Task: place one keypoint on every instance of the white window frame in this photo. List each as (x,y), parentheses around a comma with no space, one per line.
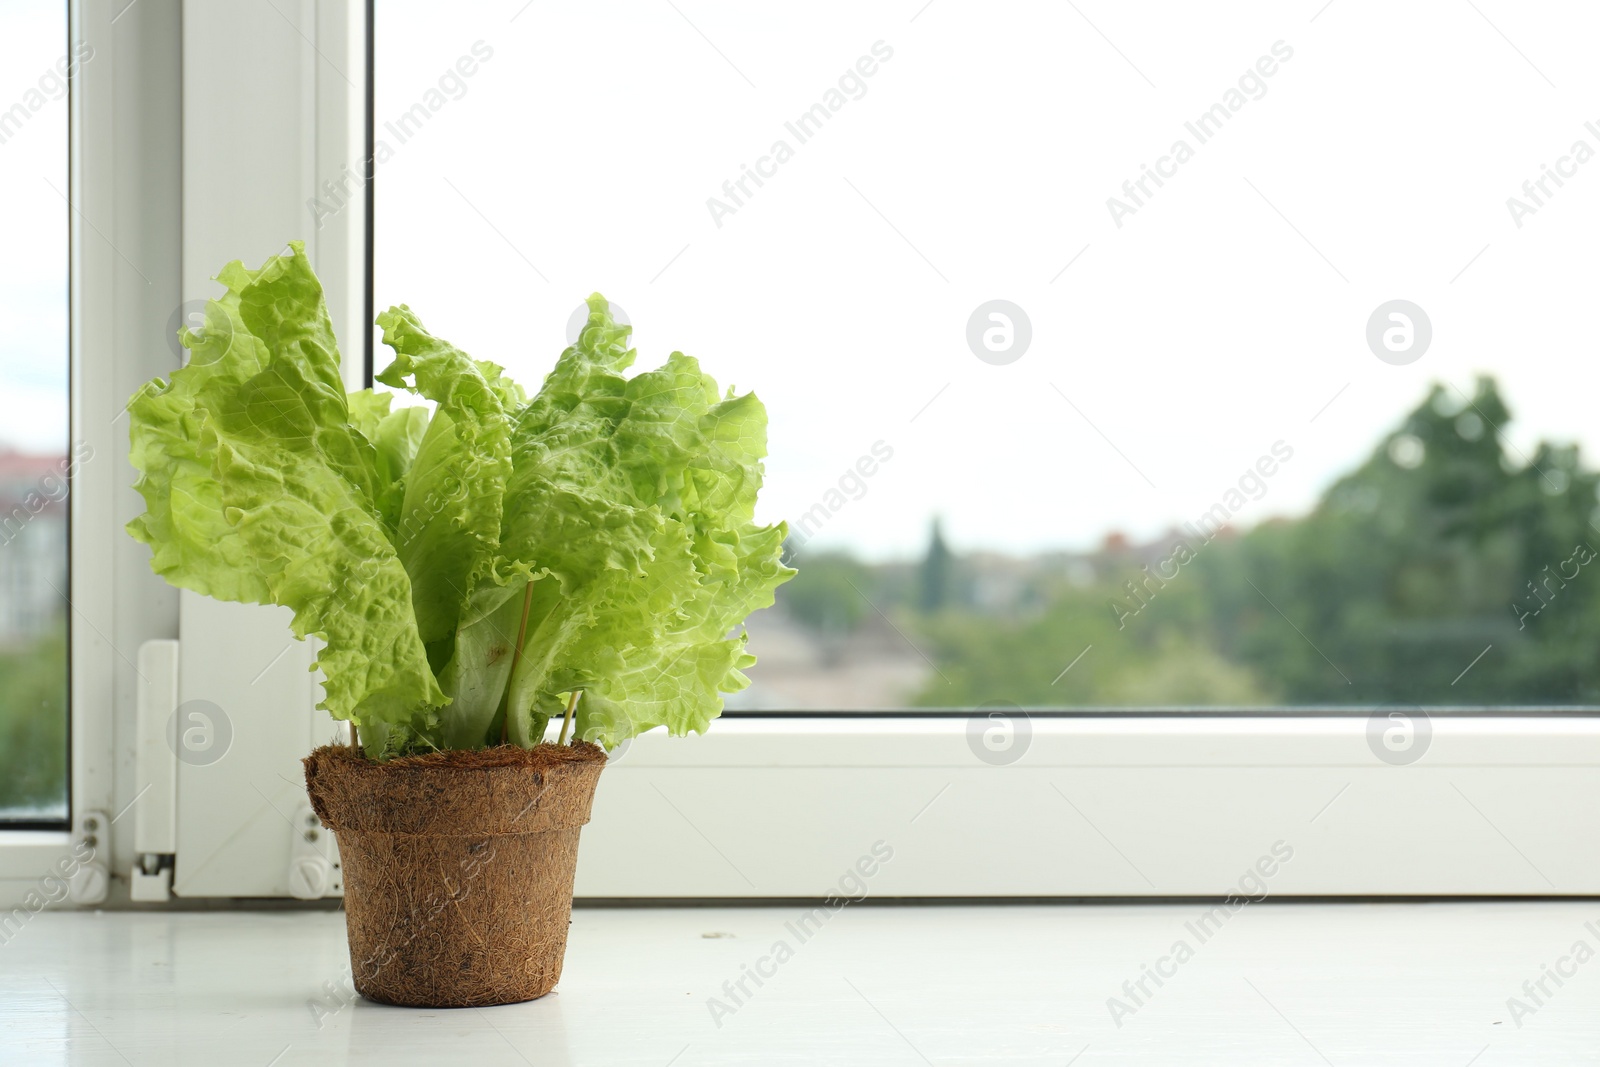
(167,184)
(1100,805)
(1108,805)
(123,237)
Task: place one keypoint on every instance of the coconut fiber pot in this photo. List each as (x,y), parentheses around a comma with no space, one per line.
(458,867)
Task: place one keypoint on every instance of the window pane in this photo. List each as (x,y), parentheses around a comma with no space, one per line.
(1193,361)
(34,426)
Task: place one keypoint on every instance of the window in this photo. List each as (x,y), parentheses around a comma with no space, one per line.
(1160,353)
(1207,363)
(35,458)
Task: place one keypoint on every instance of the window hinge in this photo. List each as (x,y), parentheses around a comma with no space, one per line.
(312,875)
(91,842)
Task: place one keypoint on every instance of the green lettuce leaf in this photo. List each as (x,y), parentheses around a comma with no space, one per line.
(473,568)
(259,489)
(395,438)
(637,496)
(449,524)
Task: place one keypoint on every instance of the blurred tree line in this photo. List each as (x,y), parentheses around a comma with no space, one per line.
(33,726)
(1446,569)
(1443,544)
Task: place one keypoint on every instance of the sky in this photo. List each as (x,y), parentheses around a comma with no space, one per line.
(1172,344)
(971,154)
(33,275)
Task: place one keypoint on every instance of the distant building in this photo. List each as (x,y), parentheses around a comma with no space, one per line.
(33,545)
(800,669)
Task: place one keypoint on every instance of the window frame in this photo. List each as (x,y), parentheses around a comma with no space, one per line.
(114,223)
(148,168)
(717,814)
(1100,805)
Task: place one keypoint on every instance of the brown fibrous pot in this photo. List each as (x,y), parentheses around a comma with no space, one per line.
(458,867)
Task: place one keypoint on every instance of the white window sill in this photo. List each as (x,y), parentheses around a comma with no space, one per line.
(1277,983)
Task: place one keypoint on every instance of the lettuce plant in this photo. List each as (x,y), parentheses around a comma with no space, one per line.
(471,571)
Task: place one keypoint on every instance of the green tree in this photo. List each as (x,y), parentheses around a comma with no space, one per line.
(935,577)
(1411,566)
(33,725)
(830,592)
(1082,652)
(1444,550)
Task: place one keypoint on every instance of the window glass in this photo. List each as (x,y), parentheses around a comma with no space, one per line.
(1215,359)
(34,430)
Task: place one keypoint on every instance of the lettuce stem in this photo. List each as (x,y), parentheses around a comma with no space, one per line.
(516,657)
(572,703)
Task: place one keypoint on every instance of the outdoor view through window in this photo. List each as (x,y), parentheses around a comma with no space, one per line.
(1235,358)
(33,411)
